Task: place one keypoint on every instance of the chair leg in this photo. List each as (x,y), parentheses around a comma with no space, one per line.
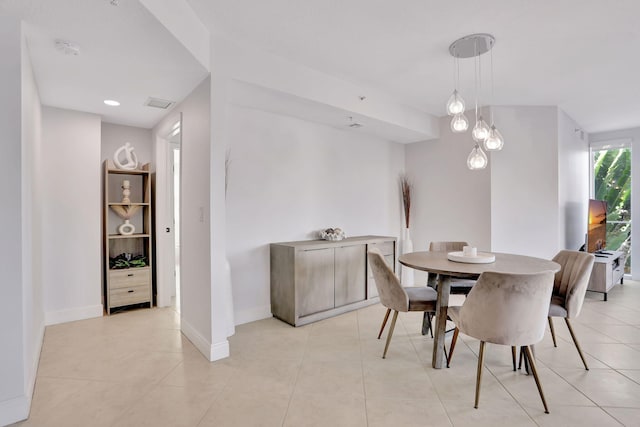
(426,323)
(513,356)
(575,341)
(393,325)
(384,322)
(456,331)
(532,364)
(553,332)
(479,375)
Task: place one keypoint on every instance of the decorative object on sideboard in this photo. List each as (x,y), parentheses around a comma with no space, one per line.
(406,273)
(332,234)
(126,228)
(131,160)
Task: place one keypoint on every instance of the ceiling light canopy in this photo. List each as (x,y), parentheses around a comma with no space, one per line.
(472,46)
(111,103)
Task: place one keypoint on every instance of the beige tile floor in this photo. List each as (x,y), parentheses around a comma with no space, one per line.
(136,369)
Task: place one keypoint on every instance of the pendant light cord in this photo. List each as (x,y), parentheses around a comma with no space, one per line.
(475,76)
(493,97)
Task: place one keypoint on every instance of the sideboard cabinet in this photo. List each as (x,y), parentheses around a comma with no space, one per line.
(316,279)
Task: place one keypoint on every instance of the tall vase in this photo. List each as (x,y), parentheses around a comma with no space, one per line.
(406,273)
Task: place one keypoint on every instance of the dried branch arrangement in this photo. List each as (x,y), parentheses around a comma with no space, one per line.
(405,187)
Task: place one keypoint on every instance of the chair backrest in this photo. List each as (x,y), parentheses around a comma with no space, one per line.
(447,246)
(572,280)
(392,295)
(507,308)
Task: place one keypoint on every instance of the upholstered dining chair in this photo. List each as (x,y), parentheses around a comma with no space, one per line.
(458,286)
(394,297)
(569,289)
(507,309)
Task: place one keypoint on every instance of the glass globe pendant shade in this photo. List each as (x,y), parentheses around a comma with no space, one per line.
(455,104)
(480,130)
(477,159)
(459,123)
(494,141)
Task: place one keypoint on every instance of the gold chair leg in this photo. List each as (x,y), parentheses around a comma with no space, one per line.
(479,375)
(575,341)
(532,364)
(513,356)
(393,325)
(384,322)
(456,331)
(553,332)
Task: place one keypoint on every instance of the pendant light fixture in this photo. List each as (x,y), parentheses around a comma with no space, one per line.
(473,46)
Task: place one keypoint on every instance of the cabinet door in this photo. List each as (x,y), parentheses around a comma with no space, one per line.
(314,280)
(350,265)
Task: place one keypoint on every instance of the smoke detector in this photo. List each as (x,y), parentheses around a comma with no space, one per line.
(67,47)
(158,103)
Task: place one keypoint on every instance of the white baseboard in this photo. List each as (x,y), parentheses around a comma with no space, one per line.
(210,351)
(252,314)
(72,314)
(14,410)
(31,382)
(219,350)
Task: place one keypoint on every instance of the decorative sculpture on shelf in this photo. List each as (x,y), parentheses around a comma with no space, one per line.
(126,192)
(125,212)
(131,160)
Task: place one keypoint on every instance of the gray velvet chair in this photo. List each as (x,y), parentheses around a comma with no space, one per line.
(569,288)
(507,309)
(395,297)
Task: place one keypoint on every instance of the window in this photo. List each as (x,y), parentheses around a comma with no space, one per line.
(611,173)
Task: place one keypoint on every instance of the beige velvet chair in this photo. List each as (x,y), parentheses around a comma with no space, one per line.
(569,288)
(507,309)
(395,297)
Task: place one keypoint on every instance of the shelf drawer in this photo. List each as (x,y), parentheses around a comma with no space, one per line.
(130,277)
(129,295)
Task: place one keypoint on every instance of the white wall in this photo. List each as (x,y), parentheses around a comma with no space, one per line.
(634,135)
(12,357)
(573,182)
(32,289)
(290,178)
(525,213)
(195,267)
(71,234)
(114,136)
(450,201)
(21,313)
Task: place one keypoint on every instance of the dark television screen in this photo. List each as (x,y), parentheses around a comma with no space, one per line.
(597,231)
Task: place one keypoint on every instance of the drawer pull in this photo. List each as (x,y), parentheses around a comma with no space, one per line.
(130,291)
(130,275)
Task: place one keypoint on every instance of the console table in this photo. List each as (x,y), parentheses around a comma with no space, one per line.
(608,270)
(316,279)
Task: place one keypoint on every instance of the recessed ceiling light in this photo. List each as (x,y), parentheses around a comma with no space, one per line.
(111,102)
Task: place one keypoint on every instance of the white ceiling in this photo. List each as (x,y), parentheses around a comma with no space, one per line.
(578,54)
(581,55)
(126,55)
